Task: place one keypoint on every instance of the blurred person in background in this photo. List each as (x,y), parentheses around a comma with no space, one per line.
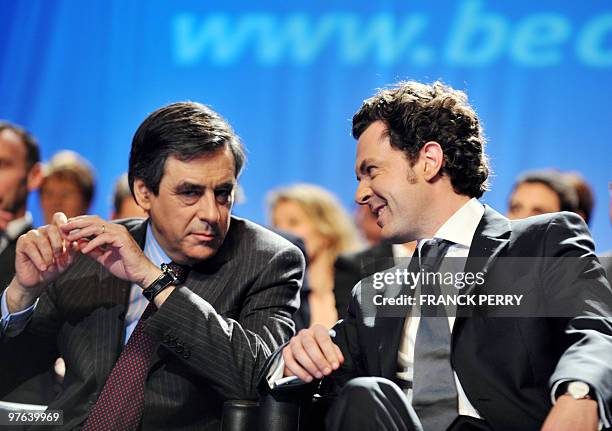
(541,192)
(20,174)
(586,197)
(68,185)
(316,216)
(124,204)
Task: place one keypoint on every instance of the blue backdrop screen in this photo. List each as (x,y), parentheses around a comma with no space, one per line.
(289,76)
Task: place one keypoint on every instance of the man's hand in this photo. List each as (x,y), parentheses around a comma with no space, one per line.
(112,246)
(41,255)
(311,354)
(569,414)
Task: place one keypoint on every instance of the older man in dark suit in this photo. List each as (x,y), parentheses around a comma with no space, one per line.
(421,166)
(159,321)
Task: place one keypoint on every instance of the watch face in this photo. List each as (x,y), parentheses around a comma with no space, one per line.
(578,389)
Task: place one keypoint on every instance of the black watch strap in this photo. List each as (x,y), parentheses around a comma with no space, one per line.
(167,279)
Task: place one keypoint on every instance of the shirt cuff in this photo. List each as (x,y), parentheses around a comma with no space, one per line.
(276,372)
(14,323)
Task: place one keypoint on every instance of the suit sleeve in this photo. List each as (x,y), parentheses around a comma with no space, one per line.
(230,354)
(28,350)
(346,277)
(588,335)
(347,339)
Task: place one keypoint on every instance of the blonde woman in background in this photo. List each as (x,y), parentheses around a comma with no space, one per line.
(316,216)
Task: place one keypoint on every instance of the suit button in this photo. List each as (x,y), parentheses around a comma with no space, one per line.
(180,349)
(166,339)
(187,354)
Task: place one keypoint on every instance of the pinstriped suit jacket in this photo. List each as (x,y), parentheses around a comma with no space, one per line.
(214,333)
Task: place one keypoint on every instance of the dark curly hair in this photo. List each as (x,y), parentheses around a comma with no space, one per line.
(417,113)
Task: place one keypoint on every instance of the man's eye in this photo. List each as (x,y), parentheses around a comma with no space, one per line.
(371,171)
(223,196)
(189,193)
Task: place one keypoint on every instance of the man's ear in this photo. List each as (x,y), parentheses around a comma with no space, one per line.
(433,158)
(35,177)
(142,194)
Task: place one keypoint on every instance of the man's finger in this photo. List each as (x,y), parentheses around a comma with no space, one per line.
(32,252)
(88,232)
(82,222)
(99,241)
(56,240)
(42,242)
(59,219)
(327,346)
(292,367)
(303,358)
(339,353)
(313,350)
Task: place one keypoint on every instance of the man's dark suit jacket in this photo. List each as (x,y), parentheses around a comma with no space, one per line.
(350,268)
(40,389)
(301,318)
(506,365)
(606,261)
(214,333)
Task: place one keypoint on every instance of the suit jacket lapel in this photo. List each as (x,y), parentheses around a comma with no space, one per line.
(389,333)
(491,237)
(390,336)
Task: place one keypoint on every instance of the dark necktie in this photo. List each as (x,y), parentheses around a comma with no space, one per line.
(434,391)
(121,402)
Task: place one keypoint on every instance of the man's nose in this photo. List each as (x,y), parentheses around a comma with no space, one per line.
(208,209)
(363,193)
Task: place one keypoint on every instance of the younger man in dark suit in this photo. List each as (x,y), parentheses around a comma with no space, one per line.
(421,166)
(159,320)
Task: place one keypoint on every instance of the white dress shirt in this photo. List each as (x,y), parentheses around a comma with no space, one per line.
(459,229)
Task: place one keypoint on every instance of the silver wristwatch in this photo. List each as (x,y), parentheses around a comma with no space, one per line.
(578,390)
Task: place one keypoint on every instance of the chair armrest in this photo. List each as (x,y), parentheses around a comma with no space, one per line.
(239,415)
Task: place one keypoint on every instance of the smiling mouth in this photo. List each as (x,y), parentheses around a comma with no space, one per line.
(378,212)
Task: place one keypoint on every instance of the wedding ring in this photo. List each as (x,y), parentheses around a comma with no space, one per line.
(103,228)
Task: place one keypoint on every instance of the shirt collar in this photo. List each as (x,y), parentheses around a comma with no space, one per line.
(17,226)
(461,226)
(153,250)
